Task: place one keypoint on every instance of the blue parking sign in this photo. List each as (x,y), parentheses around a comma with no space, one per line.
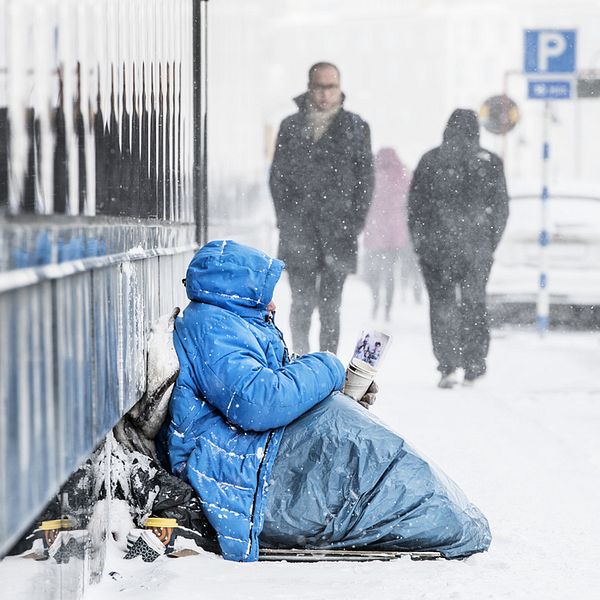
(550,50)
(552,89)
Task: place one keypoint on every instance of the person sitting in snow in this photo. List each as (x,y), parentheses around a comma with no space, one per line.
(278,455)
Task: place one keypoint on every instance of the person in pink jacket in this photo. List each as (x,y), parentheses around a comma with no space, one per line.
(386,239)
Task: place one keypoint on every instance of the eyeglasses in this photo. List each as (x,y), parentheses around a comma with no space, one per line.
(324,88)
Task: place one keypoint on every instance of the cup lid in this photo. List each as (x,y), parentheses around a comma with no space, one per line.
(159,522)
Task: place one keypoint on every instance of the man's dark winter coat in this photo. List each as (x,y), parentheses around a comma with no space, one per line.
(321,190)
(457,211)
(458,204)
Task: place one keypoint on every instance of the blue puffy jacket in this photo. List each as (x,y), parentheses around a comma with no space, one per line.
(236,390)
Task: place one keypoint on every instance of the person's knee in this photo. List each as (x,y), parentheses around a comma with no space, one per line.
(302,305)
(303,299)
(474,309)
(329,307)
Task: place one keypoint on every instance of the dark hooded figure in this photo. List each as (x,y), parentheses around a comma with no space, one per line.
(457,211)
(321,182)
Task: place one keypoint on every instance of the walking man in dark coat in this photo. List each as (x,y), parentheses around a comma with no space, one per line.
(321,182)
(457,211)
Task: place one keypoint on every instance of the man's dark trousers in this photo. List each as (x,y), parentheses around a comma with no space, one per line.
(316,288)
(458,314)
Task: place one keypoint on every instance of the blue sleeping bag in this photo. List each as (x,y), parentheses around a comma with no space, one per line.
(343,479)
(277,455)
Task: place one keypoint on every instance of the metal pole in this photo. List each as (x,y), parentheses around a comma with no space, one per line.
(199,181)
(577,149)
(505,80)
(504,93)
(205,132)
(543,302)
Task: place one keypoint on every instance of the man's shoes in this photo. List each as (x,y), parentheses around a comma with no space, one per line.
(469,381)
(471,377)
(448,380)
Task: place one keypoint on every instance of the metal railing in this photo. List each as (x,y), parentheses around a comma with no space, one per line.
(72,362)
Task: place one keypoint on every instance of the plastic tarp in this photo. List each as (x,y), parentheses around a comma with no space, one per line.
(343,479)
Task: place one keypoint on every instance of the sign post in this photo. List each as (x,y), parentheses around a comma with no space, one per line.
(549,60)
(543,302)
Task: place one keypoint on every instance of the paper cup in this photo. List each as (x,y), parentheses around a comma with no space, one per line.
(359,376)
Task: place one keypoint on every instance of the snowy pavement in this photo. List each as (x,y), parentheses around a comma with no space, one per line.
(523,444)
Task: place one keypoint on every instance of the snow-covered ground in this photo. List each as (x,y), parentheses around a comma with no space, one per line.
(523,443)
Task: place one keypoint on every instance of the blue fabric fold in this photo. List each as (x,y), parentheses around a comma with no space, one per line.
(343,479)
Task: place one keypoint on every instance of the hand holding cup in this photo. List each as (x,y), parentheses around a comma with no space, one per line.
(370,396)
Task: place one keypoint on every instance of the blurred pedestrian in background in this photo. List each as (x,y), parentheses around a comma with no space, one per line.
(321,183)
(457,211)
(386,240)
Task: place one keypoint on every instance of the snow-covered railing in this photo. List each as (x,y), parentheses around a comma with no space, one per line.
(72,362)
(102,200)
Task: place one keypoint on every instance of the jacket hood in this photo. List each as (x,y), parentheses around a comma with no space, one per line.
(463,125)
(233,276)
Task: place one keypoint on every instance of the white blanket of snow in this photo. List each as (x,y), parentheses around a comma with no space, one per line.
(523,444)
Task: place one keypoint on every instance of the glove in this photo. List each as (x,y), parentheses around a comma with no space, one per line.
(370,395)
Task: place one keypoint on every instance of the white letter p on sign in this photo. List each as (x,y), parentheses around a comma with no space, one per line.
(551,45)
